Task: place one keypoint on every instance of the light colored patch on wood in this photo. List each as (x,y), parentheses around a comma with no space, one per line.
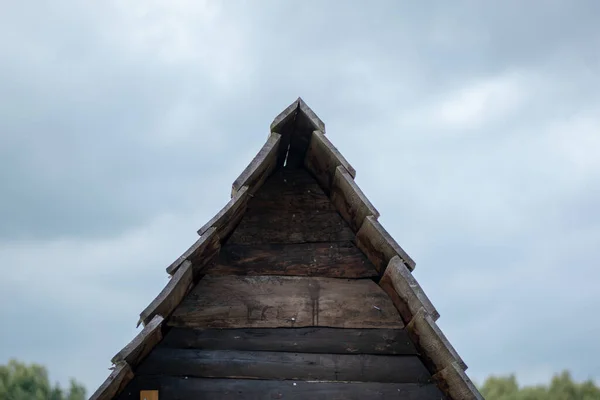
(379,246)
(453,381)
(432,342)
(171,295)
(260,167)
(114,384)
(229,216)
(284,117)
(278,301)
(312,117)
(349,200)
(200,252)
(148,394)
(404,290)
(142,344)
(322,158)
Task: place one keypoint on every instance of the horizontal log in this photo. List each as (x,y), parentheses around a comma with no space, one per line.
(349,200)
(322,159)
(328,259)
(453,381)
(431,342)
(260,167)
(404,290)
(142,344)
(284,366)
(305,340)
(379,246)
(285,301)
(120,376)
(184,388)
(229,216)
(171,295)
(200,253)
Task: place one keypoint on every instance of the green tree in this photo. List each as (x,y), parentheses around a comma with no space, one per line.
(19,381)
(561,387)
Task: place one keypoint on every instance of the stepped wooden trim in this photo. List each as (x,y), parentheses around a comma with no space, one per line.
(142,344)
(350,201)
(453,381)
(379,246)
(432,343)
(171,295)
(116,381)
(200,252)
(405,291)
(323,158)
(227,219)
(260,167)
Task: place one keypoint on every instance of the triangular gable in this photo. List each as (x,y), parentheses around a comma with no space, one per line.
(297,139)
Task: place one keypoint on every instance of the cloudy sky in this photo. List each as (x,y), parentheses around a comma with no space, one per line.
(474,128)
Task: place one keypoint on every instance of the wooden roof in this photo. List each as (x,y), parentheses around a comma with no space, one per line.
(298,246)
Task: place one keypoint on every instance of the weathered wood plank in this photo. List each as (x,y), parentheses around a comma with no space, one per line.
(330,260)
(453,381)
(142,344)
(305,123)
(171,295)
(322,159)
(285,301)
(315,121)
(431,342)
(184,388)
(120,376)
(379,246)
(260,167)
(200,253)
(349,200)
(282,365)
(284,117)
(229,216)
(305,340)
(404,290)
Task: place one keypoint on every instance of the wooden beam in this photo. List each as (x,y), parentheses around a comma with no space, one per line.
(171,295)
(120,376)
(284,117)
(437,351)
(142,344)
(379,246)
(322,159)
(315,121)
(303,340)
(404,290)
(260,167)
(453,381)
(226,220)
(285,301)
(279,365)
(349,200)
(200,252)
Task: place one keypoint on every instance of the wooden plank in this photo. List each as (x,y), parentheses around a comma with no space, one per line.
(404,290)
(349,200)
(431,342)
(330,260)
(284,117)
(285,301)
(282,365)
(120,376)
(322,159)
(184,388)
(453,381)
(305,123)
(305,340)
(142,344)
(379,246)
(149,395)
(229,216)
(315,121)
(171,295)
(200,252)
(260,167)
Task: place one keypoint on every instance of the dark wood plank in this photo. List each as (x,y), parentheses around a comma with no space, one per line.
(183,388)
(285,301)
(118,379)
(260,167)
(349,200)
(142,344)
(322,158)
(305,340)
(453,381)
(282,365)
(200,253)
(332,260)
(229,216)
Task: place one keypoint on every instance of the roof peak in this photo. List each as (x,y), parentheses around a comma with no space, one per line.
(290,112)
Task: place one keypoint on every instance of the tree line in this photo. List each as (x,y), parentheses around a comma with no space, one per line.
(21,381)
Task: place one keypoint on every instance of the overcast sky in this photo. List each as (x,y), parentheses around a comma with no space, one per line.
(474,127)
